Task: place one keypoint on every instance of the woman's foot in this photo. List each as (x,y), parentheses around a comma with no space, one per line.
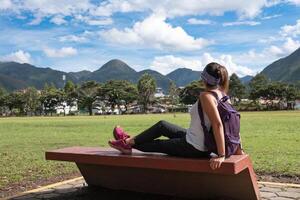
(120,134)
(121,145)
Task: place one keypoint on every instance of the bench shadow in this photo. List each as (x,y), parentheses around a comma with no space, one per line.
(95,193)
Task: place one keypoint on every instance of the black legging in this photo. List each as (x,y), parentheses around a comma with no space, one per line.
(176,145)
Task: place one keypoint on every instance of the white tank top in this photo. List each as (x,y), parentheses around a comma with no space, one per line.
(195,134)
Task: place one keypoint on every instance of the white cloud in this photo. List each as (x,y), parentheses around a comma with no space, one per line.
(291,45)
(173,8)
(82,37)
(269,39)
(58,20)
(5,4)
(170,8)
(284,49)
(72,38)
(291,30)
(155,32)
(94,21)
(18,56)
(60,53)
(53,7)
(56,10)
(228,61)
(296,2)
(238,23)
(269,54)
(195,21)
(99,22)
(168,63)
(273,51)
(37,20)
(271,17)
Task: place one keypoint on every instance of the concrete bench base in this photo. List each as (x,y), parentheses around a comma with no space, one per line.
(161,174)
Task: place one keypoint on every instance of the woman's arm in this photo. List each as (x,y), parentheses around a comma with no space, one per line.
(209,106)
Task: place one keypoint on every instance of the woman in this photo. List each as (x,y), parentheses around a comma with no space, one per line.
(184,142)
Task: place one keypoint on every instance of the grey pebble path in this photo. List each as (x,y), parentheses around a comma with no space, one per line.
(78,190)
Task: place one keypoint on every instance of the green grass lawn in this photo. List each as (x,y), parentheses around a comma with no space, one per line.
(271,138)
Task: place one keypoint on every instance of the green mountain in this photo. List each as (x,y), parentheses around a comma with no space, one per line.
(246,79)
(113,70)
(17,76)
(119,70)
(161,80)
(80,75)
(10,83)
(285,69)
(183,76)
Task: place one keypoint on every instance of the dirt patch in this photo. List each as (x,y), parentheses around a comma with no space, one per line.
(278,178)
(16,188)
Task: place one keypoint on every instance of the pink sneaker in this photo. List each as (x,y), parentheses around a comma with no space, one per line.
(120,134)
(121,146)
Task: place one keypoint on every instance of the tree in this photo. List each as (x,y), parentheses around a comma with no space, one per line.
(32,100)
(236,88)
(146,89)
(190,93)
(173,94)
(258,86)
(69,87)
(50,98)
(292,93)
(87,94)
(3,94)
(69,95)
(280,92)
(16,100)
(116,91)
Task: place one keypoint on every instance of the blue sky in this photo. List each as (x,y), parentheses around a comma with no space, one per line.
(74,35)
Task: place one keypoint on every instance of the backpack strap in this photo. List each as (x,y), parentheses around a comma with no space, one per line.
(223,98)
(201,116)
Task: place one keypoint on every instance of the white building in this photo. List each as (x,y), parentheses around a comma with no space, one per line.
(297,104)
(159,93)
(64,108)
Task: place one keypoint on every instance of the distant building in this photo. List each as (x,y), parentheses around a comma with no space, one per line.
(159,93)
(297,104)
(64,108)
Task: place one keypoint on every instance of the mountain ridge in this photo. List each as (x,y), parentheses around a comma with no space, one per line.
(15,76)
(285,69)
(12,79)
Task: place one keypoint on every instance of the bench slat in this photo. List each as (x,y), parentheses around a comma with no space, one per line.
(108,156)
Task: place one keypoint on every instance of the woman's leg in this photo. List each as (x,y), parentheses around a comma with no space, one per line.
(173,147)
(162,128)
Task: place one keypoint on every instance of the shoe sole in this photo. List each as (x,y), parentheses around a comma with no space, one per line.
(122,150)
(115,134)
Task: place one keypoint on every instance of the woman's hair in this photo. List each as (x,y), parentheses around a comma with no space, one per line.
(219,72)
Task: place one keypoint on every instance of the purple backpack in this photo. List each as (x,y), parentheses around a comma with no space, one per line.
(231,124)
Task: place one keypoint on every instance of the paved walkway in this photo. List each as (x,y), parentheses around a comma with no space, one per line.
(77,189)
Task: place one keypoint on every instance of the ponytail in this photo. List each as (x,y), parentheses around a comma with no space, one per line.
(224,80)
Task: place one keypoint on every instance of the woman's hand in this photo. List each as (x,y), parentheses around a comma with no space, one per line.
(216,163)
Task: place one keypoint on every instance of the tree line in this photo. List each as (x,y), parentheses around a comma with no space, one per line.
(31,101)
(259,89)
(86,95)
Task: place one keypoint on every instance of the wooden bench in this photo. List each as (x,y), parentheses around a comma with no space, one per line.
(162,174)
